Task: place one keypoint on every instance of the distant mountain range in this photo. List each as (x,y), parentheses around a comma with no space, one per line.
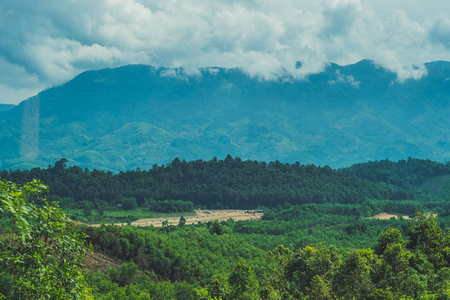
(5,107)
(137,116)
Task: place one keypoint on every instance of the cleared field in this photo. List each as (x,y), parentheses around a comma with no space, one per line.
(387,216)
(202,216)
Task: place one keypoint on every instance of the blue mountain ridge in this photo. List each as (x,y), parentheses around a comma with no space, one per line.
(137,116)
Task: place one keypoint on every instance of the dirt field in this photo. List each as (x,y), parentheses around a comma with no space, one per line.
(387,216)
(201,216)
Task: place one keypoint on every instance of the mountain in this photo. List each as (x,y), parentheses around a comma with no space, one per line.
(5,107)
(137,116)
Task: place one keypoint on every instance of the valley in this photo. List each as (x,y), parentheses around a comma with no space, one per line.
(224,150)
(293,218)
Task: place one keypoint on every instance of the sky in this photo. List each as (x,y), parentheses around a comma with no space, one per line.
(46,43)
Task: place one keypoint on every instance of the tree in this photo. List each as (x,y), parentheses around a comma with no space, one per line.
(390,236)
(426,235)
(352,279)
(243,283)
(412,284)
(182,221)
(129,203)
(424,232)
(43,251)
(380,294)
(319,289)
(308,262)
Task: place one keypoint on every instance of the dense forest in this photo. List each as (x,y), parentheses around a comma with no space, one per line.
(202,262)
(232,183)
(322,246)
(402,173)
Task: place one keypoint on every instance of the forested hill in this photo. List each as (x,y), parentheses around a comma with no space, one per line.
(231,182)
(119,119)
(404,172)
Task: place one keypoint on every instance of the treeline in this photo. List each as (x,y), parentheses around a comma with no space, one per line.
(402,173)
(170,206)
(231,182)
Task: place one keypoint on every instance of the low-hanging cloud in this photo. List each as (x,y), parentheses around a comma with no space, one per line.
(47,42)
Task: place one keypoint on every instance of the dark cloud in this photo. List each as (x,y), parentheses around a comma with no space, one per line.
(440,32)
(47,42)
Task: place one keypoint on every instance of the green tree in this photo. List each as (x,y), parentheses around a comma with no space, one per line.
(390,236)
(124,274)
(43,252)
(319,289)
(379,294)
(412,284)
(182,221)
(243,283)
(129,203)
(308,262)
(352,279)
(426,235)
(218,289)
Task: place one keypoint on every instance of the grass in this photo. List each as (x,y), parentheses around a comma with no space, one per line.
(121,216)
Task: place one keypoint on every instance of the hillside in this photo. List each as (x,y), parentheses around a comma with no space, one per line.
(137,116)
(439,186)
(6,107)
(304,247)
(232,183)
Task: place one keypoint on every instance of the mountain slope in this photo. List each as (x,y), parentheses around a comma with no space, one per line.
(6,107)
(136,116)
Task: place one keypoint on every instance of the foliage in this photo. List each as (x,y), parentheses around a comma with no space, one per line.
(331,250)
(207,265)
(183,253)
(169,206)
(402,173)
(231,182)
(243,284)
(42,252)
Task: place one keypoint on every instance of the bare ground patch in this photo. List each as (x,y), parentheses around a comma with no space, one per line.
(202,216)
(387,216)
(97,261)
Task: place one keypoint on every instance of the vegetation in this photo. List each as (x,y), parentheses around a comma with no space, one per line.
(326,248)
(402,173)
(136,116)
(231,183)
(194,262)
(98,216)
(40,253)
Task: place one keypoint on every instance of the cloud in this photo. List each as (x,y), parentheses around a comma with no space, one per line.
(345,79)
(440,31)
(47,42)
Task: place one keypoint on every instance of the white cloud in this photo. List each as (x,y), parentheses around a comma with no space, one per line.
(440,31)
(10,95)
(47,42)
(345,79)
